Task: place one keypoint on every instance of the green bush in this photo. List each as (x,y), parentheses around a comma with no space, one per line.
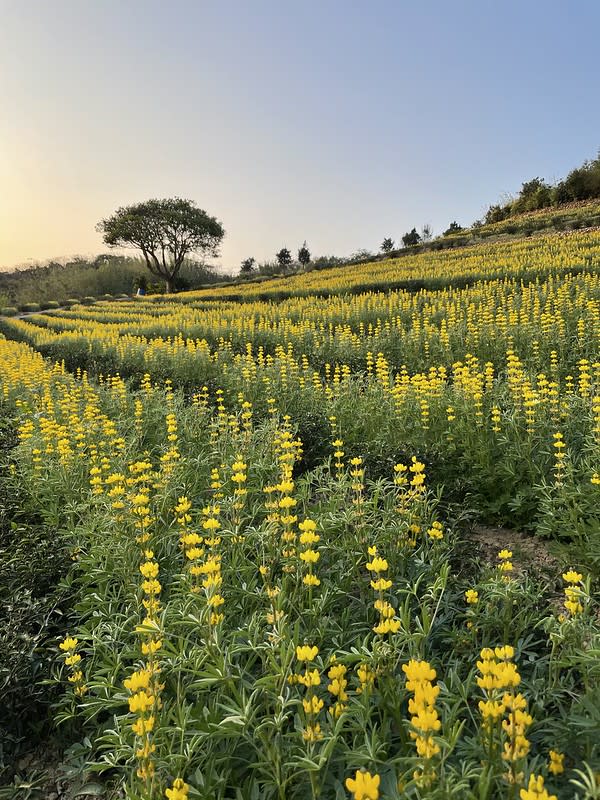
(33,614)
(29,307)
(72,301)
(8,311)
(106,297)
(88,301)
(50,304)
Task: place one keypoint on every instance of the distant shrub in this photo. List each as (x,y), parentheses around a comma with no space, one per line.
(8,311)
(72,301)
(48,304)
(106,297)
(88,301)
(29,307)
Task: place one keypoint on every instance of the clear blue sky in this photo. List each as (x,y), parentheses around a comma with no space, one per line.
(335,122)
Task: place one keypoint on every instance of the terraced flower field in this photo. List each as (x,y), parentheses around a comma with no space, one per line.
(268,503)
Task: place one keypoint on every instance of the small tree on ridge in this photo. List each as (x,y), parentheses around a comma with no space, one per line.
(284,258)
(304,255)
(247,266)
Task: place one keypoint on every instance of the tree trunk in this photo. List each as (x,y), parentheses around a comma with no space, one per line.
(169,285)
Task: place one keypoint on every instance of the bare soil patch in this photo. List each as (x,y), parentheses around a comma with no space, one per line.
(530,554)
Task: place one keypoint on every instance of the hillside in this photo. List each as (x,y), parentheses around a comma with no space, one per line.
(340,500)
(526,258)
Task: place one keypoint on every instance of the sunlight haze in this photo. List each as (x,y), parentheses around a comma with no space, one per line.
(332,122)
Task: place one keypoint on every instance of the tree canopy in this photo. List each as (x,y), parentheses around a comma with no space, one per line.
(248,266)
(304,255)
(454,227)
(166,232)
(284,258)
(411,238)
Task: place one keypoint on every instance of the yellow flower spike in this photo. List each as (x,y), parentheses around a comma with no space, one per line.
(506,652)
(149,569)
(381,584)
(138,680)
(69,643)
(418,672)
(310,556)
(179,790)
(377,564)
(150,648)
(572,577)
(364,786)
(312,705)
(310,678)
(311,580)
(555,764)
(472,596)
(436,531)
(143,725)
(536,790)
(312,733)
(306,652)
(141,702)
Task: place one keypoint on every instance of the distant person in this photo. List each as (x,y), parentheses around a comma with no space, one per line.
(140,291)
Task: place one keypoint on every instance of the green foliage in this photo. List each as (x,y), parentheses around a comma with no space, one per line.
(304,256)
(8,311)
(581,184)
(231,715)
(454,227)
(248,266)
(284,258)
(55,281)
(411,238)
(33,609)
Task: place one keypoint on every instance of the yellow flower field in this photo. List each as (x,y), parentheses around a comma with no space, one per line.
(267,508)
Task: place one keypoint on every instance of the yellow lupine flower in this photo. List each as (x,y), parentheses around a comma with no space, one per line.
(555,764)
(377,565)
(306,652)
(536,790)
(364,786)
(179,790)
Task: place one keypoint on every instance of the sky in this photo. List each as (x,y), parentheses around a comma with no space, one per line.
(334,122)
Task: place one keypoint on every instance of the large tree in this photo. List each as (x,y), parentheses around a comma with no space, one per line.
(166,232)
